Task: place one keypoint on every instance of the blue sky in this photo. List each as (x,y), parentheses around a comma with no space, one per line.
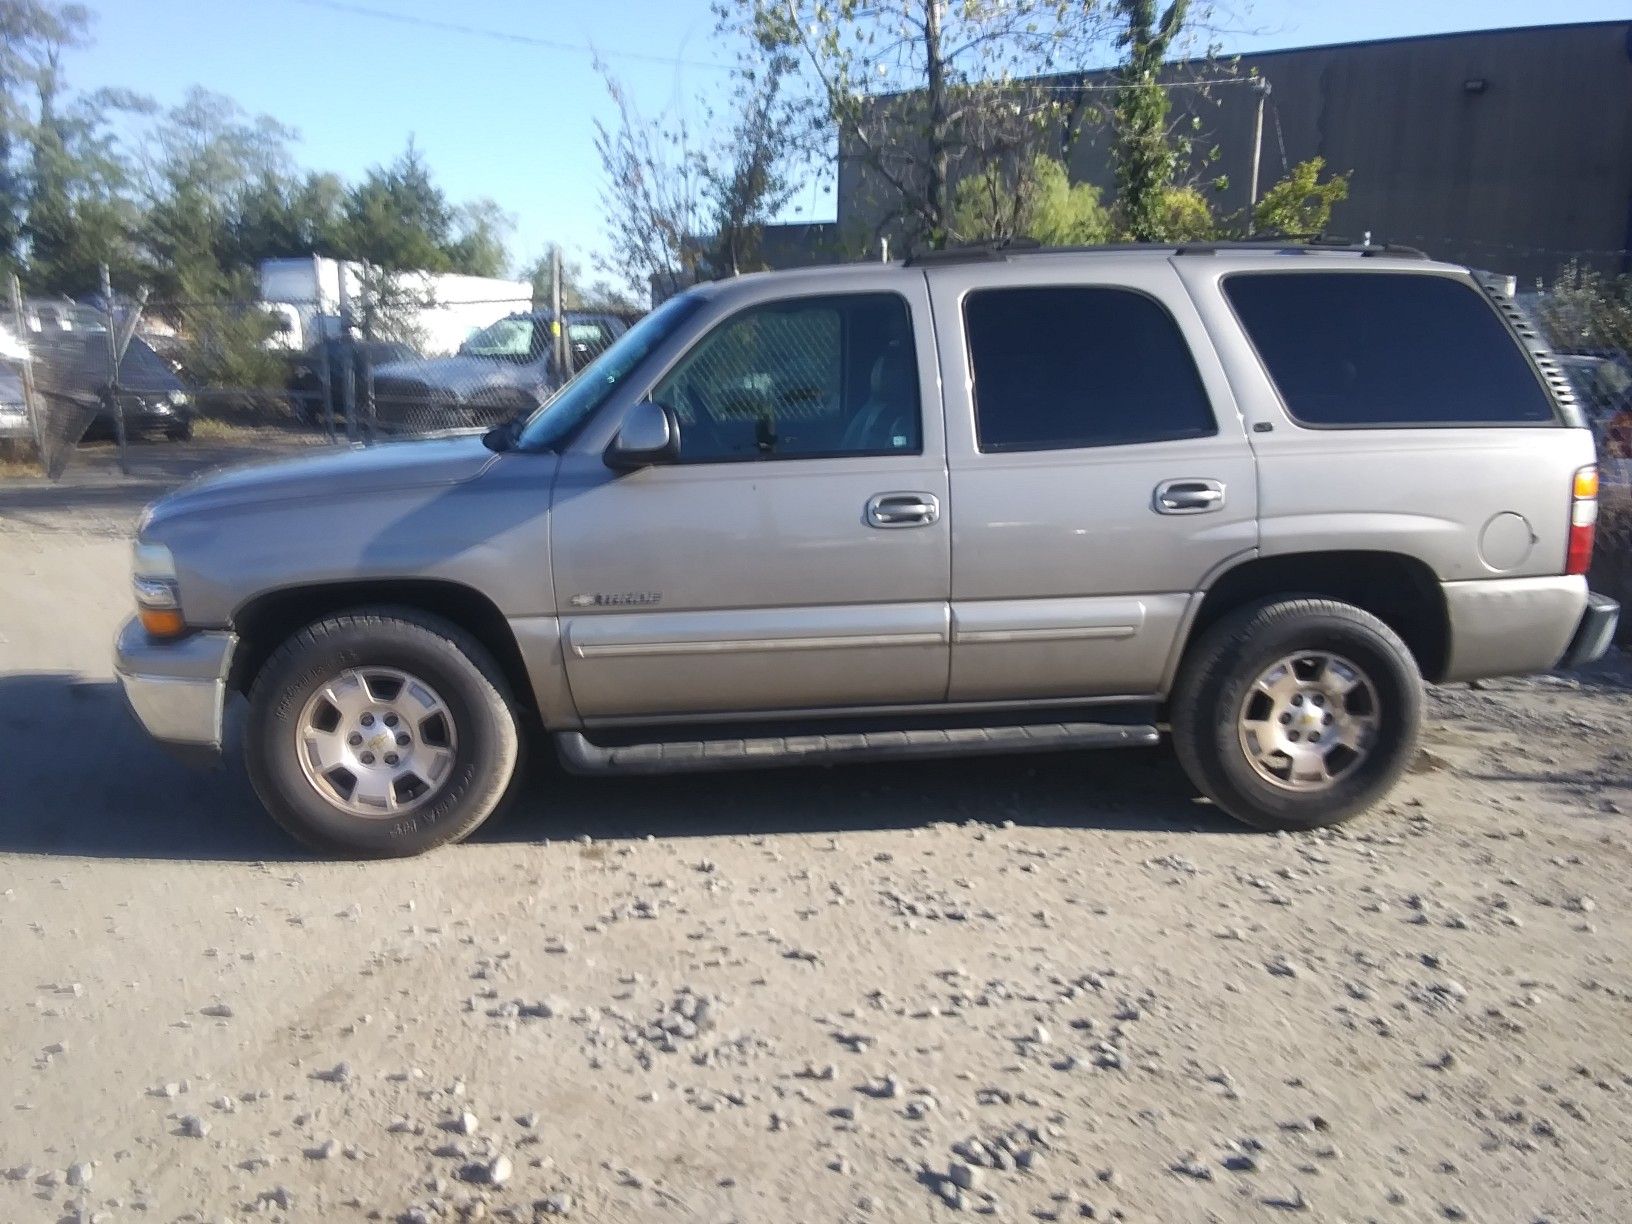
(513,120)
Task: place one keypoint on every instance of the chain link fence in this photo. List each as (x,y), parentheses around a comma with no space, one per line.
(135,373)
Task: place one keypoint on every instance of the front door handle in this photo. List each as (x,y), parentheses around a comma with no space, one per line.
(903,510)
(1189,496)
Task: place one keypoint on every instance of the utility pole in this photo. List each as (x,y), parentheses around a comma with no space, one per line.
(1261,87)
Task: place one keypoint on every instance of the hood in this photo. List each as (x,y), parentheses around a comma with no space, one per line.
(332,475)
(460,375)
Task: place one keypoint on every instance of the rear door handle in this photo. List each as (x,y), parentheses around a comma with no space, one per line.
(1189,496)
(902,510)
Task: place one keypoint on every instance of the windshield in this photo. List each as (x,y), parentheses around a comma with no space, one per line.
(576,401)
(510,338)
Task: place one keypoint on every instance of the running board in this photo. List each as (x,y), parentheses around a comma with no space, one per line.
(579,755)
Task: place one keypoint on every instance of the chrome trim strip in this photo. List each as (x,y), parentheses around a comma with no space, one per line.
(617,650)
(1061,633)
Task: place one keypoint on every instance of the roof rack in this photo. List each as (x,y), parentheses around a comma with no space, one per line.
(1001,250)
(973,252)
(1301,244)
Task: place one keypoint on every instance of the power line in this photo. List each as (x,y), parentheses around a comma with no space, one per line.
(506,36)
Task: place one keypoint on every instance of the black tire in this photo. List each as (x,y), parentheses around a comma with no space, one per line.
(451,661)
(1220,669)
(180,433)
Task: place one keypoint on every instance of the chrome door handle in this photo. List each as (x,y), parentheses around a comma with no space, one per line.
(1189,496)
(902,510)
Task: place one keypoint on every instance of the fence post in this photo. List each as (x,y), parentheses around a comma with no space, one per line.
(371,412)
(348,389)
(31,400)
(114,357)
(558,325)
(326,380)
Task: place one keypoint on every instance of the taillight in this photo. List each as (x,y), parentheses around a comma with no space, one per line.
(1583,521)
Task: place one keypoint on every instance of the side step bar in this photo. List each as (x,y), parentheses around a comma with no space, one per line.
(579,755)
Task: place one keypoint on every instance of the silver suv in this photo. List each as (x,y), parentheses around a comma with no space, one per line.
(981,502)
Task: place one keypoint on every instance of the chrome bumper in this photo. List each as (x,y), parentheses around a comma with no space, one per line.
(177,689)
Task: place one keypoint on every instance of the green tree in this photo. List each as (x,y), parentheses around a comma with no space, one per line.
(1301,203)
(33,34)
(653,196)
(1143,150)
(922,90)
(578,290)
(1043,204)
(748,180)
(399,219)
(278,218)
(480,247)
(203,154)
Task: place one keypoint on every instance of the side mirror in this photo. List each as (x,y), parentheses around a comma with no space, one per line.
(650,434)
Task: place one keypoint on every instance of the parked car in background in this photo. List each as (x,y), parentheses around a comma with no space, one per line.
(329,360)
(1246,496)
(14,420)
(73,362)
(1603,385)
(504,369)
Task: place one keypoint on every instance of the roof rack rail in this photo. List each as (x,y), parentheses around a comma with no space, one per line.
(1301,245)
(998,251)
(973,252)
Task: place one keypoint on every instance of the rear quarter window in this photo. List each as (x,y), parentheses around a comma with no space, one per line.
(1350,350)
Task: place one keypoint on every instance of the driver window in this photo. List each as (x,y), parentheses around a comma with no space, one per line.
(801,379)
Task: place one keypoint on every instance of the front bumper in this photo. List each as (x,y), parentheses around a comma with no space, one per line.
(177,689)
(1595,632)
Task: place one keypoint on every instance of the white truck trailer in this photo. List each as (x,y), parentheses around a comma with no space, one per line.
(312,297)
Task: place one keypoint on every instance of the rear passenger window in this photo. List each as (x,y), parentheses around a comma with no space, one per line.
(1063,367)
(1350,350)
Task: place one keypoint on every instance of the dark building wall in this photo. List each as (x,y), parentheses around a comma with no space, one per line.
(1518,176)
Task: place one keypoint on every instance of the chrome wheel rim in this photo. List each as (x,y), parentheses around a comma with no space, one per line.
(1309,720)
(376,742)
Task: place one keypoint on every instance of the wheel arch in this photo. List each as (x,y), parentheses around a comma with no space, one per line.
(1399,590)
(267,620)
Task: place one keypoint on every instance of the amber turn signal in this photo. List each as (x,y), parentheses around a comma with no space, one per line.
(162,622)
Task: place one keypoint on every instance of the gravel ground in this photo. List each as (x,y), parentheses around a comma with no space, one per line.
(1038,988)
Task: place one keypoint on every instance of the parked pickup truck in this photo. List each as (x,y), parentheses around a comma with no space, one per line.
(985,501)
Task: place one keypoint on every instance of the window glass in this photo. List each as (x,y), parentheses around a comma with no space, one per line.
(578,400)
(800,379)
(1066,366)
(1351,349)
(511,339)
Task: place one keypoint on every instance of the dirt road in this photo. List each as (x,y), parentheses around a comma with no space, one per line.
(1041,988)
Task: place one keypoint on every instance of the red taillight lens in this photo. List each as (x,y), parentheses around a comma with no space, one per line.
(1583,521)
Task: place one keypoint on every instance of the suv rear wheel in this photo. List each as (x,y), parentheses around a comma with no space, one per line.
(1298,713)
(381,733)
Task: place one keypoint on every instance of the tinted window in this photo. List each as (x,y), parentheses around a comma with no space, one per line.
(1356,349)
(1072,367)
(800,379)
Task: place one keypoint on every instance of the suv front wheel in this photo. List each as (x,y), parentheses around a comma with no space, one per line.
(381,733)
(1297,714)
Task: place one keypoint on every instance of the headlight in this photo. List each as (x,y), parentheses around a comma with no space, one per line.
(158,601)
(177,399)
